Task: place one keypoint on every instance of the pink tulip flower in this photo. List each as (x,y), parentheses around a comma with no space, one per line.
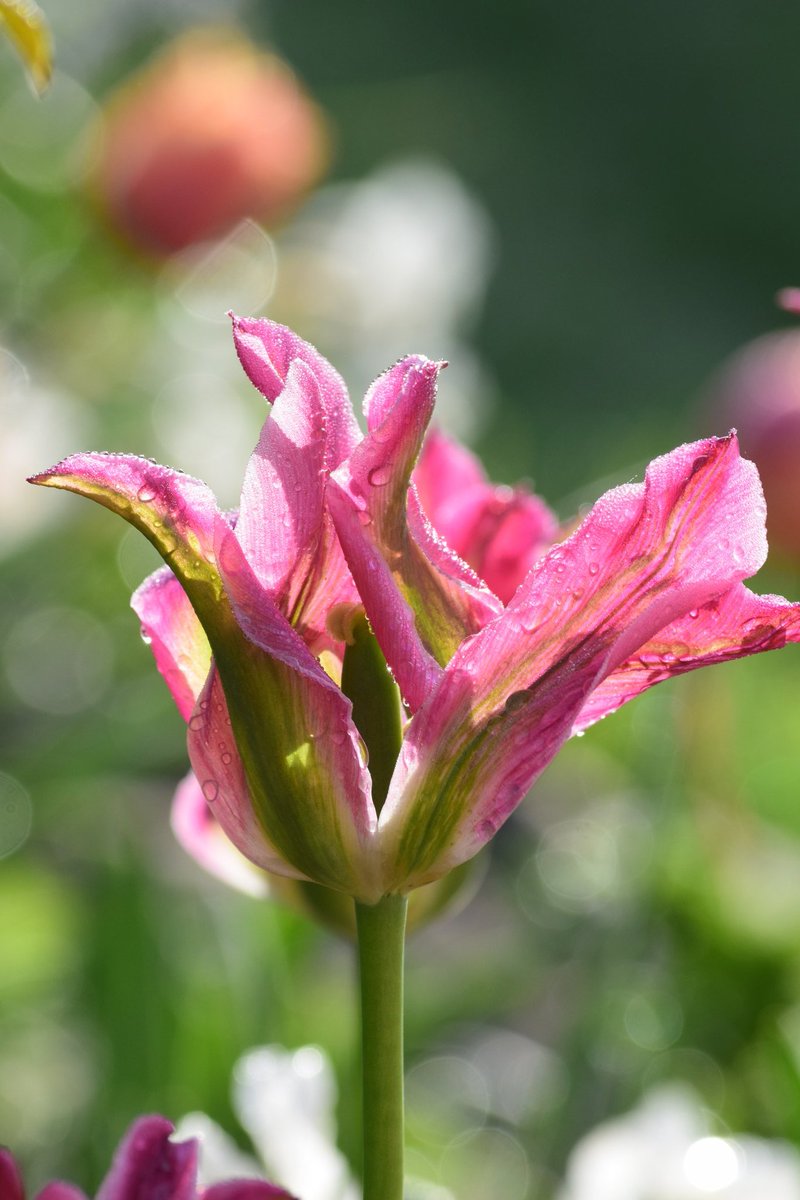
(493,679)
(146,1166)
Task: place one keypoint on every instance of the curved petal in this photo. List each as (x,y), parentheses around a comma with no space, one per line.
(499,531)
(267,350)
(58,1191)
(172,631)
(148,1165)
(10,1178)
(734,625)
(200,834)
(308,780)
(245,1189)
(645,555)
(284,527)
(310,789)
(422,601)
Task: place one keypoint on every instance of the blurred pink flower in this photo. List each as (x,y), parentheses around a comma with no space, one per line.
(146,1166)
(213,131)
(648,586)
(758,391)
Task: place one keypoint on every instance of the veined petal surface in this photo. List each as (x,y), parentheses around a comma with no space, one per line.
(646,555)
(292,724)
(267,350)
(421,599)
(734,625)
(284,527)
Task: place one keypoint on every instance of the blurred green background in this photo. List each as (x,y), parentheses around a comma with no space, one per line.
(586,207)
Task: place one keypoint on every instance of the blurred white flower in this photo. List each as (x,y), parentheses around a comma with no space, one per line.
(38,426)
(285,1101)
(393,264)
(666,1150)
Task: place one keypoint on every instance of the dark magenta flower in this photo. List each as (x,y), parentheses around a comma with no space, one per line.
(495,672)
(146,1166)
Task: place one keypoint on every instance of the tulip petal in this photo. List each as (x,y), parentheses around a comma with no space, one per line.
(499,531)
(200,834)
(734,625)
(422,601)
(58,1191)
(267,350)
(284,527)
(646,555)
(245,1189)
(176,637)
(147,1164)
(10,1178)
(310,745)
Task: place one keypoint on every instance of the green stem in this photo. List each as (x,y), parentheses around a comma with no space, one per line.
(381,940)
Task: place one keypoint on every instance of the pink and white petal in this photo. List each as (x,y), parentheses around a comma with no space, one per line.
(200,834)
(267,350)
(283,527)
(245,1189)
(302,753)
(645,555)
(422,601)
(174,634)
(735,625)
(148,1166)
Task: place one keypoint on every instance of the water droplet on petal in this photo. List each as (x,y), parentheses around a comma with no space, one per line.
(694,613)
(593,568)
(364,517)
(210,789)
(196,722)
(516,701)
(227,758)
(380,476)
(146,494)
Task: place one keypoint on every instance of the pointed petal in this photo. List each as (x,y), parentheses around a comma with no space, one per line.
(318,817)
(267,350)
(422,601)
(646,555)
(174,511)
(26,27)
(200,834)
(284,527)
(499,531)
(148,1165)
(176,637)
(10,1178)
(735,625)
(310,747)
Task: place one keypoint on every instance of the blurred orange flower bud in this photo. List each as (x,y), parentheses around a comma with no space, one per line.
(209,133)
(759,393)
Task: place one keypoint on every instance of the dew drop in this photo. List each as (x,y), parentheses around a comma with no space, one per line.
(196,722)
(227,758)
(577,593)
(339,737)
(210,789)
(364,517)
(380,476)
(146,494)
(694,613)
(593,568)
(516,701)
